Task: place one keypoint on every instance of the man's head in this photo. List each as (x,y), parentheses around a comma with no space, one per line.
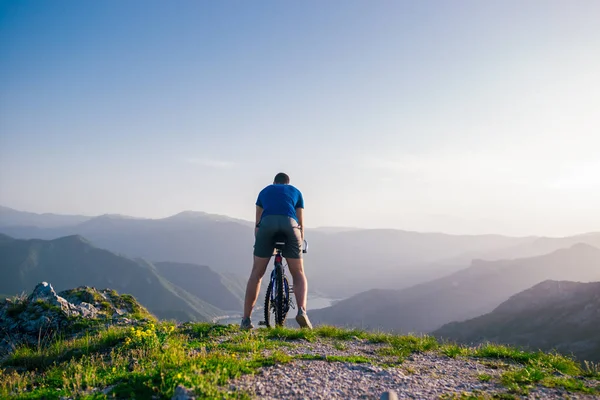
(281,179)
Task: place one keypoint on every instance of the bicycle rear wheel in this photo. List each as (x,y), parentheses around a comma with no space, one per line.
(277,301)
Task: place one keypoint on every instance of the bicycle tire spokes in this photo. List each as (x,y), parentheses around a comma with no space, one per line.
(277,298)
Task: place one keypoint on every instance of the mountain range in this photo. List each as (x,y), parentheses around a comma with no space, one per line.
(340,262)
(465,294)
(552,315)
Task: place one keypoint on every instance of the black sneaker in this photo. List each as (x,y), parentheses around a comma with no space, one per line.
(246,324)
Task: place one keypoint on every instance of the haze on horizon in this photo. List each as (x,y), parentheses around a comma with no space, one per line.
(459,117)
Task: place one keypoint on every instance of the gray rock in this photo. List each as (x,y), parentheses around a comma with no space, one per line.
(181,393)
(42,291)
(37,318)
(389,395)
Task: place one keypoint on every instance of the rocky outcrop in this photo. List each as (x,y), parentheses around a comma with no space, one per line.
(37,318)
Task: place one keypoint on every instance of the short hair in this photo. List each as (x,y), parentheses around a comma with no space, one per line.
(281,179)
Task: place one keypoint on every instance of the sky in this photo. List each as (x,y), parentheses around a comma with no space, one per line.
(450,116)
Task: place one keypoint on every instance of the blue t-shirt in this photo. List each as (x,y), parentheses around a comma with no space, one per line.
(278,199)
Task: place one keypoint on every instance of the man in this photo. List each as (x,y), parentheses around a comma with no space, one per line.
(279,210)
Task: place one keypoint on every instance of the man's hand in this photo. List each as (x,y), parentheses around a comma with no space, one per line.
(255,231)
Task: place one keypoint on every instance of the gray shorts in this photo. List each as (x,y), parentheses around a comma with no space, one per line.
(270,229)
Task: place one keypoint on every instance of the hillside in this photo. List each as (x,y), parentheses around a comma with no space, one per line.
(72,261)
(558,315)
(465,294)
(204,283)
(132,355)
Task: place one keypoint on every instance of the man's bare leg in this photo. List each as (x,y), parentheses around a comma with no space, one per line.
(296,266)
(253,286)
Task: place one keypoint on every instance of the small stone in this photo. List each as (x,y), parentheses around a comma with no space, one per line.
(181,393)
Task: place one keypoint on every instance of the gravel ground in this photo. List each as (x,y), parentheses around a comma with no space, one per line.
(420,376)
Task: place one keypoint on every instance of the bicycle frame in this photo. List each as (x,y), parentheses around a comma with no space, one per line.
(278,263)
(286,301)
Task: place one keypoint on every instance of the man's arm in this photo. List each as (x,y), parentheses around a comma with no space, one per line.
(300,212)
(300,215)
(259,211)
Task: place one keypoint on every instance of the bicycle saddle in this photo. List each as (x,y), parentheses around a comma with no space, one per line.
(279,242)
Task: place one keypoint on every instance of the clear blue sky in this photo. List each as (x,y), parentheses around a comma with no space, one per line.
(455,116)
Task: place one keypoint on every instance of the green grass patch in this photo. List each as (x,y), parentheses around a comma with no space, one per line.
(551,361)
(139,362)
(404,346)
(521,380)
(204,331)
(332,332)
(276,357)
(484,377)
(252,345)
(60,350)
(454,350)
(477,395)
(570,384)
(282,333)
(15,309)
(329,332)
(591,370)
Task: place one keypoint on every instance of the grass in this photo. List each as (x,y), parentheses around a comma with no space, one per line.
(523,369)
(136,362)
(591,370)
(152,358)
(16,309)
(61,350)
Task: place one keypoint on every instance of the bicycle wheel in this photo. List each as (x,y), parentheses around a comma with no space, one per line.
(280,310)
(271,308)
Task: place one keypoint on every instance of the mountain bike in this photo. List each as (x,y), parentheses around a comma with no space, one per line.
(277,299)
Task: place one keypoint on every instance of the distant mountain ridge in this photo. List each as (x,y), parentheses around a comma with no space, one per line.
(10,217)
(535,246)
(72,261)
(340,263)
(560,315)
(465,294)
